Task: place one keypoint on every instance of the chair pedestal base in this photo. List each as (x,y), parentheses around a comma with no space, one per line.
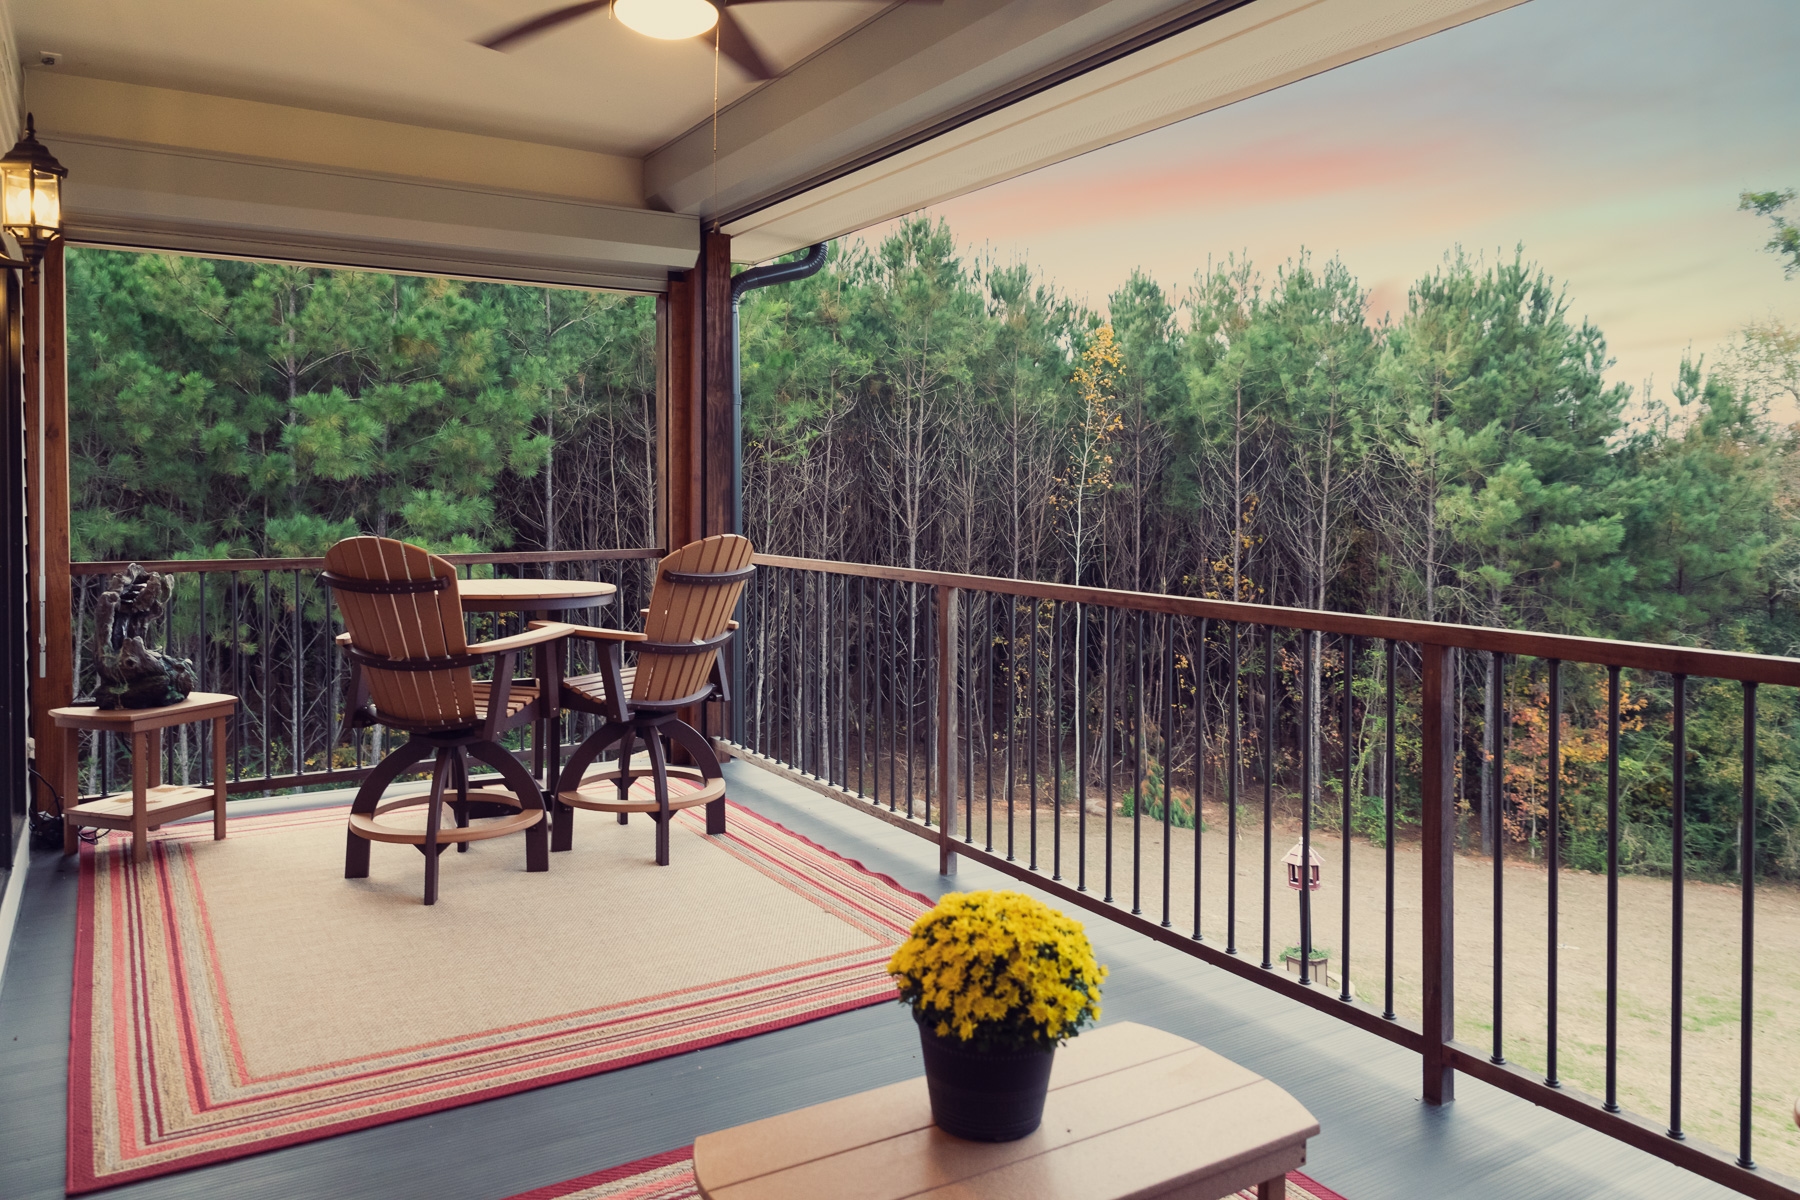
(612,789)
(449,787)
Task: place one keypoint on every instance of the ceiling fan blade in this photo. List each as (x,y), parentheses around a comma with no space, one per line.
(736,45)
(540,23)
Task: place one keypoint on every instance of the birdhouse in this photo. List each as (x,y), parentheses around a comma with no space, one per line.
(1315,866)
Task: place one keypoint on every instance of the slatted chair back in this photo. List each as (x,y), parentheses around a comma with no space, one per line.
(401,604)
(689,617)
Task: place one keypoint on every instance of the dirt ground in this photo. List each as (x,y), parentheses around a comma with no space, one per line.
(1710,1005)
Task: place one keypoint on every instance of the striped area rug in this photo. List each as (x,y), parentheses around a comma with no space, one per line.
(233,997)
(670,1176)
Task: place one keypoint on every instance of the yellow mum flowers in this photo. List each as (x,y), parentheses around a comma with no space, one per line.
(999,970)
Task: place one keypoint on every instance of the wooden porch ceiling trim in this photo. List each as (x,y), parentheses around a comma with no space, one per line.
(150,198)
(1199,58)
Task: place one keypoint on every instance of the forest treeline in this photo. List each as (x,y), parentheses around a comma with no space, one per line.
(232,409)
(1262,437)
(1250,434)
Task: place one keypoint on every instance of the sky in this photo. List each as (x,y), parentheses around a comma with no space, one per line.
(1610,138)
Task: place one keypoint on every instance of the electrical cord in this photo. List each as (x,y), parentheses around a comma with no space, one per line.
(47,827)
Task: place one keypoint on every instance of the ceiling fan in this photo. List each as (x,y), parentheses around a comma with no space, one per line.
(670,20)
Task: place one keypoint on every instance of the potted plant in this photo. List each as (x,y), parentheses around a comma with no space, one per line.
(996,981)
(1321,959)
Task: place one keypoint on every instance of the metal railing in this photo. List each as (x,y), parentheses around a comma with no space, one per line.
(265,629)
(1050,732)
(1087,740)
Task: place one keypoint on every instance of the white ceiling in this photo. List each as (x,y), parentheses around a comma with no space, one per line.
(591,85)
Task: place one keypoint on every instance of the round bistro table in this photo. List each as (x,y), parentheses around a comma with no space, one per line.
(537,600)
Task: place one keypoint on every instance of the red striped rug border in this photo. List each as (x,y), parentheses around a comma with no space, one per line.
(80,1176)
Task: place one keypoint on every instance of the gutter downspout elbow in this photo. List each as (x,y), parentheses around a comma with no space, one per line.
(806,265)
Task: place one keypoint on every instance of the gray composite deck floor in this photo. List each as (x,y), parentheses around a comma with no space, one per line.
(1378,1141)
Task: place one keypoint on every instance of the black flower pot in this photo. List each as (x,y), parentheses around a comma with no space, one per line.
(985,1095)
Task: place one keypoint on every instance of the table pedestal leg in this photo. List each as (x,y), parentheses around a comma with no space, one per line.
(219,779)
(1272,1189)
(141,751)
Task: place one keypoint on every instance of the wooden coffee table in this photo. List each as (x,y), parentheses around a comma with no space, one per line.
(1133,1112)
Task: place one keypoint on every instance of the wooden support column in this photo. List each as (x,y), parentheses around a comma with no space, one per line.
(678,434)
(51,649)
(696,424)
(1437,800)
(715,383)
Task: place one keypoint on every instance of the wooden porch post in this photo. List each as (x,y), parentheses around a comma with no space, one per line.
(51,648)
(1437,801)
(696,424)
(696,392)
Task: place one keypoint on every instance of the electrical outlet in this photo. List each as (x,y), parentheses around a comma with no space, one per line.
(49,58)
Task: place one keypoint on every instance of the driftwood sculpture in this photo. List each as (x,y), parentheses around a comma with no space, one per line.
(131,674)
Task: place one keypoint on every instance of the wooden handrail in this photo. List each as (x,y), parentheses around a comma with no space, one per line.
(177,566)
(1643,656)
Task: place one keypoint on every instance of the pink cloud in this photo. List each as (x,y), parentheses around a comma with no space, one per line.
(1274,172)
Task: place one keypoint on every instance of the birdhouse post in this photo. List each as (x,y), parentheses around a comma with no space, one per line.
(1315,864)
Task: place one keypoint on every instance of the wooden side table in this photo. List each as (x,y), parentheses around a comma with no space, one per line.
(152,802)
(1133,1112)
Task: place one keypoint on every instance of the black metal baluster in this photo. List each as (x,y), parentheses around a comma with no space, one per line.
(1678,803)
(862,682)
(969,724)
(1031,729)
(1137,765)
(1747,963)
(785,710)
(1554,863)
(299,661)
(1012,722)
(1233,774)
(1611,1103)
(1307,767)
(1268,766)
(1387,827)
(267,641)
(893,694)
(1168,709)
(1497,755)
(1199,669)
(1056,733)
(883,660)
(803,628)
(912,688)
(1106,737)
(1080,764)
(1344,831)
(841,627)
(987,711)
(925,704)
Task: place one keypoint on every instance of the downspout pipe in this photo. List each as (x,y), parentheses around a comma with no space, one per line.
(805,266)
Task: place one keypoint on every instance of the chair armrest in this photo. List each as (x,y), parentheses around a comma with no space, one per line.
(539,633)
(597,634)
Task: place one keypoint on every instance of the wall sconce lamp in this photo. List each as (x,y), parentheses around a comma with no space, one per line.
(31,196)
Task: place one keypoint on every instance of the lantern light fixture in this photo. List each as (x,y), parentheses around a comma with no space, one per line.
(31,195)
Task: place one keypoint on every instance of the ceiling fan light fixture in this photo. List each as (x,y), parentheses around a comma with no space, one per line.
(667,19)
